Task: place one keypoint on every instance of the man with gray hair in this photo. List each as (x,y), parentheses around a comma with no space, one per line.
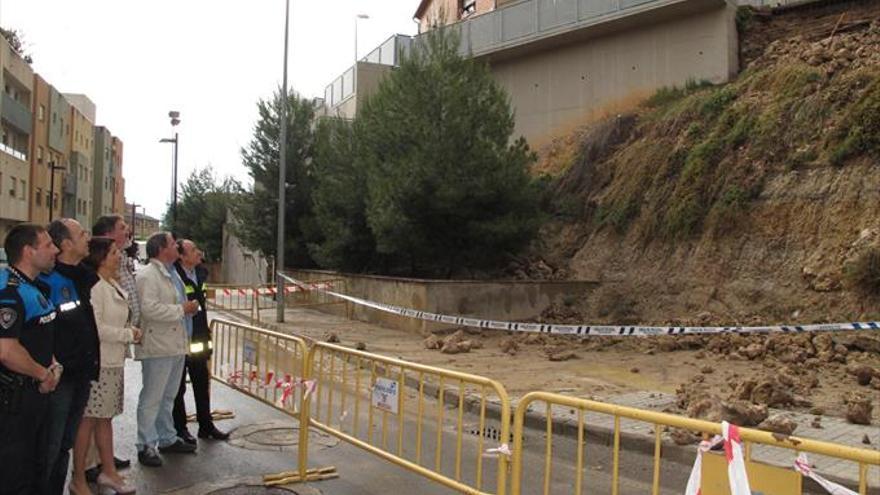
(162,350)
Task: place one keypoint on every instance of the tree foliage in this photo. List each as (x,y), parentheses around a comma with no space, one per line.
(446,188)
(256,212)
(16,42)
(340,193)
(201,210)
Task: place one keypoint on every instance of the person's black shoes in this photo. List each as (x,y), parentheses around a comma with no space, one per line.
(187,437)
(178,447)
(213,433)
(149,458)
(120,463)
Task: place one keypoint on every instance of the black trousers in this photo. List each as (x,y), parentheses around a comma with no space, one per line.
(200,378)
(22,453)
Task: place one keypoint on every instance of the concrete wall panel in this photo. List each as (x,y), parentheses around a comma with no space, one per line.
(561,86)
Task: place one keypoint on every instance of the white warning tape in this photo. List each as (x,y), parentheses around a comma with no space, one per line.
(802,465)
(589,330)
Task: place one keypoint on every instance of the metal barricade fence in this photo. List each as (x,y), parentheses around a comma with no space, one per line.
(365,398)
(751,438)
(268,366)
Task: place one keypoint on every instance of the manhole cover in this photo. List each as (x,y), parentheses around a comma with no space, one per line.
(276,436)
(246,490)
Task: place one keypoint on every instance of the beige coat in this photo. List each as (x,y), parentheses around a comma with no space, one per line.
(110,303)
(161,314)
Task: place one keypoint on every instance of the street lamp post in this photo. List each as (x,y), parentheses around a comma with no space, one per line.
(354,81)
(52,169)
(134,219)
(175,119)
(282,180)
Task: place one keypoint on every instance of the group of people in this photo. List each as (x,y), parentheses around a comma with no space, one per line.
(72,308)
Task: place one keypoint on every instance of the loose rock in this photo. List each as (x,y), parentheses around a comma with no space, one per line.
(360,346)
(858,408)
(331,338)
(779,424)
(509,346)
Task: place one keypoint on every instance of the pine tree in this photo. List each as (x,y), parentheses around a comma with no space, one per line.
(446,187)
(256,214)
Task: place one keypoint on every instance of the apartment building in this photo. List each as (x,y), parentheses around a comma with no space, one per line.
(442,12)
(102,186)
(16,126)
(118,178)
(142,225)
(41,156)
(80,174)
(59,149)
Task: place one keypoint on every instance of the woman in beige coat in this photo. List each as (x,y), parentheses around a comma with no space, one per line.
(110,303)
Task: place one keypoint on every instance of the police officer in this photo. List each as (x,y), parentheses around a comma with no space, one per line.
(193,276)
(76,346)
(28,371)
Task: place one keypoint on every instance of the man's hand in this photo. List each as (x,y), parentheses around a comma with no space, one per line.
(49,382)
(190,307)
(137,335)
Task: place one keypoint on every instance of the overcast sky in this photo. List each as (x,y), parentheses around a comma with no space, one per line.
(211,60)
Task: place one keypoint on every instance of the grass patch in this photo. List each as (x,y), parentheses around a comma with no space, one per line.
(862,131)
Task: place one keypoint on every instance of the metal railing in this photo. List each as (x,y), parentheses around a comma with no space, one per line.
(268,366)
(346,405)
(862,457)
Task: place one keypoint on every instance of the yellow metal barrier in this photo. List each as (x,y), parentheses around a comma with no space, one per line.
(862,457)
(365,398)
(270,367)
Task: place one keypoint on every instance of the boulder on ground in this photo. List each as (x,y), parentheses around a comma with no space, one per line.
(433,342)
(509,345)
(742,413)
(858,408)
(331,338)
(779,424)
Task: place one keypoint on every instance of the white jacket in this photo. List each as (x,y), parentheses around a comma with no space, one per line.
(110,303)
(161,314)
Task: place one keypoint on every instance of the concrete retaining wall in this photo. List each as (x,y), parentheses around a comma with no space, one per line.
(497,300)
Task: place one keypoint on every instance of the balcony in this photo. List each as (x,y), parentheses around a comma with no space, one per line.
(9,150)
(16,114)
(526,22)
(388,53)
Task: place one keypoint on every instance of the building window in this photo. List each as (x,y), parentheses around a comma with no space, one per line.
(55,201)
(41,113)
(23,189)
(38,197)
(39,154)
(13,188)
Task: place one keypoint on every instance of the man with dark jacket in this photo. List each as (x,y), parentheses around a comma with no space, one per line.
(193,275)
(28,371)
(76,346)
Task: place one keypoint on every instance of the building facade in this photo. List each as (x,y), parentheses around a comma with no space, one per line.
(40,157)
(59,149)
(102,186)
(142,225)
(566,62)
(80,173)
(117,177)
(16,126)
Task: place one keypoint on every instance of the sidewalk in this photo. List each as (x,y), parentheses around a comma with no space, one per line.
(262,442)
(637,435)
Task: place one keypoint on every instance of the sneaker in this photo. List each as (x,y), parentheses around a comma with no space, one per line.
(121,463)
(149,458)
(213,433)
(178,447)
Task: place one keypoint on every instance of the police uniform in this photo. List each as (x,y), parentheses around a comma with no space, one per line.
(200,349)
(77,349)
(28,316)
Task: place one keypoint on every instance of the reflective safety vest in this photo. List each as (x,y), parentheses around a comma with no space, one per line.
(200,344)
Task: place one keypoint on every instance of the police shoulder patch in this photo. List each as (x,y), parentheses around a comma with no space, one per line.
(8,317)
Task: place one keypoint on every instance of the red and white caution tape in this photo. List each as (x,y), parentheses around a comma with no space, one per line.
(583,329)
(802,465)
(287,385)
(736,465)
(696,479)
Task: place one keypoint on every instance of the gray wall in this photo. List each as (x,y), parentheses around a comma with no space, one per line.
(497,300)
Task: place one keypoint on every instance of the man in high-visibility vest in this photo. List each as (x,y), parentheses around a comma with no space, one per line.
(193,275)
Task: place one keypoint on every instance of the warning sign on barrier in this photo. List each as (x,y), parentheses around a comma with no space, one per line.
(386,395)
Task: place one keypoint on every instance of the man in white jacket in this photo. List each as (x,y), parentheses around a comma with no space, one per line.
(162,350)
